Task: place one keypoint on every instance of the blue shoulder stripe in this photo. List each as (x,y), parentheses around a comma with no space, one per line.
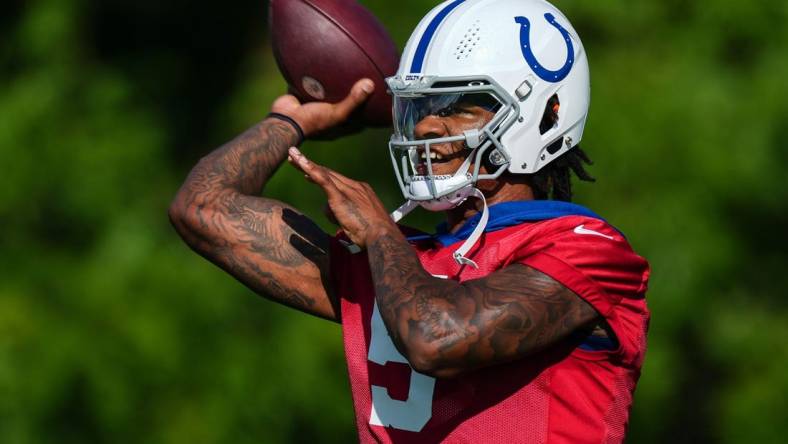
(507,214)
(424,43)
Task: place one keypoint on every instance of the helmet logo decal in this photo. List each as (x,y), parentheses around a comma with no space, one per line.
(525,47)
(424,42)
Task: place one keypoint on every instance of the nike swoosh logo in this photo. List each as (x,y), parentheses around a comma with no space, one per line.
(580,229)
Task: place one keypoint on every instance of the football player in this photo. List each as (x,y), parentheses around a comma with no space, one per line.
(522,318)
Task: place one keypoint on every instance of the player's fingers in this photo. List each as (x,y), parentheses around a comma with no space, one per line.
(285,104)
(358,94)
(310,169)
(316,173)
(330,214)
(340,179)
(342,183)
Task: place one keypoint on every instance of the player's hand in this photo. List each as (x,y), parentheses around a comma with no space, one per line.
(354,205)
(322,119)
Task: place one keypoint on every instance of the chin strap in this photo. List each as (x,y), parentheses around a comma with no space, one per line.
(403,210)
(459,254)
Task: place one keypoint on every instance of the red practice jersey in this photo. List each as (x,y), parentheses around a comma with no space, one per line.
(565,394)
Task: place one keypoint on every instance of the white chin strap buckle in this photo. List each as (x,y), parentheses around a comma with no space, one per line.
(462,260)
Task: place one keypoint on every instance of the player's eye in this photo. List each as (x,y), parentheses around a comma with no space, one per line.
(446,111)
(474,102)
(457,109)
(466,108)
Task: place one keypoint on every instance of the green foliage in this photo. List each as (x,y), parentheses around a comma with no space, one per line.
(111,330)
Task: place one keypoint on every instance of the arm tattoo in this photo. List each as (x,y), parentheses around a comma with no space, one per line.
(448,327)
(263,243)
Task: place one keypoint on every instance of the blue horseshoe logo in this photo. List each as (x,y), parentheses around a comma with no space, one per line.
(525,46)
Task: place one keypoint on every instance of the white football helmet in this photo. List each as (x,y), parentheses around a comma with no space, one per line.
(519,55)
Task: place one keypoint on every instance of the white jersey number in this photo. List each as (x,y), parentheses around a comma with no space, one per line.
(412,414)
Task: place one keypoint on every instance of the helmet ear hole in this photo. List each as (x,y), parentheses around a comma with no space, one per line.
(550,116)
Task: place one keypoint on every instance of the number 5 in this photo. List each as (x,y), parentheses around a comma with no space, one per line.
(412,414)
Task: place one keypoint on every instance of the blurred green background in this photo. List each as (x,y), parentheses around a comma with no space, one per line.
(113,331)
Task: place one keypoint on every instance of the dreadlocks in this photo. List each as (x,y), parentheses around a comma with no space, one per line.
(554,180)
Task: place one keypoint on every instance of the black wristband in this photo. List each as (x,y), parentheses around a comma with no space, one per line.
(289,120)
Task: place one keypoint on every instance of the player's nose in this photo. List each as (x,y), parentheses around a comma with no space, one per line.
(430,127)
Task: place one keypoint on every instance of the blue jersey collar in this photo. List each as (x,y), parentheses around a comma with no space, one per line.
(507,214)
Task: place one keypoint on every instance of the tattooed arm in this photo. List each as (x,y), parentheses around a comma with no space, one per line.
(265,244)
(445,327)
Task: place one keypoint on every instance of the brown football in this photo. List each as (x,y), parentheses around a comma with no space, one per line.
(322,47)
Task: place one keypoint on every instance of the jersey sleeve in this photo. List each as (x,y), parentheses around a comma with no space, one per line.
(596,262)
